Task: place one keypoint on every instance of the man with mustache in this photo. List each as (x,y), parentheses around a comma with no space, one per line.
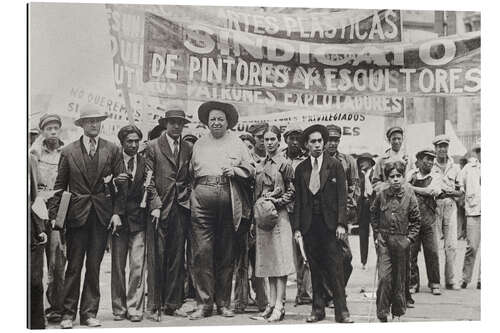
(221,167)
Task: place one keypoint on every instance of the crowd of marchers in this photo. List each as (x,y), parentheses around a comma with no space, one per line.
(193,216)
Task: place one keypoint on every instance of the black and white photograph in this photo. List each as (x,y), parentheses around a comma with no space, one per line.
(213,165)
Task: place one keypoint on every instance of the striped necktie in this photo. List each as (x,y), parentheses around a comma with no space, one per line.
(92,147)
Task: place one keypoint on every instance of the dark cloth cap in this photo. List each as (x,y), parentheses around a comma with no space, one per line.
(393,130)
(334,131)
(366,156)
(173,114)
(292,130)
(314,128)
(426,152)
(228,109)
(47,118)
(248,137)
(256,128)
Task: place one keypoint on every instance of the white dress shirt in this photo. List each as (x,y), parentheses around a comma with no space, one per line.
(320,161)
(86,143)
(171,143)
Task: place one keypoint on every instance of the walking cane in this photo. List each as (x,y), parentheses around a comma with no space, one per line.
(373,291)
(158,270)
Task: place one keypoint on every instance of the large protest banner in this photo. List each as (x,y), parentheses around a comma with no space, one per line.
(285,61)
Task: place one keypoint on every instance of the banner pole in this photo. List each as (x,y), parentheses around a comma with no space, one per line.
(118,62)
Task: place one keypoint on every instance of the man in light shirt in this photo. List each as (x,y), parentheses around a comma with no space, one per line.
(446,210)
(471,185)
(221,167)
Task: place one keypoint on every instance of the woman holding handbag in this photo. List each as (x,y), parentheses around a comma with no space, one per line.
(274,255)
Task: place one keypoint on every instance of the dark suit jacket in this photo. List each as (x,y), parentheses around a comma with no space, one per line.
(72,175)
(333,194)
(171,182)
(129,196)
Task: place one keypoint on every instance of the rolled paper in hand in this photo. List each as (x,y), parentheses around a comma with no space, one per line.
(149,175)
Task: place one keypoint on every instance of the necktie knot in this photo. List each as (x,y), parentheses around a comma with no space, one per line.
(314,182)
(92,144)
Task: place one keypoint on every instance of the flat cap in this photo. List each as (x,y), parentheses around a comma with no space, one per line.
(426,152)
(292,130)
(442,138)
(47,118)
(334,131)
(392,130)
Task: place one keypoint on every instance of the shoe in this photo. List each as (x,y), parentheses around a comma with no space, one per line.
(436,291)
(303,300)
(410,305)
(199,314)
(119,317)
(345,320)
(414,289)
(135,318)
(176,313)
(66,324)
(313,318)
(90,322)
(452,286)
(463,285)
(396,318)
(54,317)
(240,311)
(383,319)
(225,312)
(363,267)
(264,314)
(478,285)
(277,315)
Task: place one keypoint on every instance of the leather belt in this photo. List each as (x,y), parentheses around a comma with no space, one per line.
(212,180)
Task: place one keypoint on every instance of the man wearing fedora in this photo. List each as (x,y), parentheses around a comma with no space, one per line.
(168,158)
(446,210)
(365,164)
(320,218)
(221,167)
(426,185)
(84,167)
(48,152)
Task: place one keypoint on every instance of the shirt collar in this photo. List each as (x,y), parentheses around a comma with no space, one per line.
(398,194)
(320,160)
(127,157)
(86,140)
(171,140)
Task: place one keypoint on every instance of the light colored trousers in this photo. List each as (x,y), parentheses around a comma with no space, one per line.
(473,248)
(446,224)
(129,302)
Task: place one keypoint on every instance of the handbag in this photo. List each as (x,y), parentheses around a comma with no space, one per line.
(265,214)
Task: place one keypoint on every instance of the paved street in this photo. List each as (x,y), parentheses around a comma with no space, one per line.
(451,305)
